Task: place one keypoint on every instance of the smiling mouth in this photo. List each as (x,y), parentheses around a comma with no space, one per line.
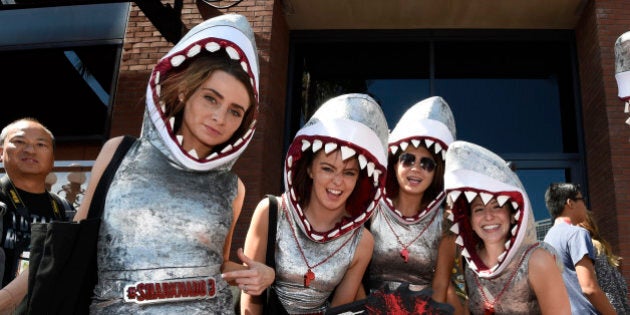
(334,191)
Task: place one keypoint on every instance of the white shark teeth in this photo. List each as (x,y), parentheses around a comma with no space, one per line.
(227,148)
(517,215)
(502,256)
(334,233)
(347,152)
(428,142)
(180,139)
(193,153)
(377,196)
(370,168)
(177,60)
(450,216)
(437,148)
(244,66)
(193,51)
(628,121)
(404,145)
(317,144)
(362,161)
(290,161)
(232,53)
(305,144)
(290,177)
(459,240)
(377,174)
(472,265)
(317,237)
(455,228)
(212,156)
(238,142)
(393,149)
(627,108)
(454,194)
(515,205)
(251,81)
(213,47)
(248,133)
(514,229)
(502,199)
(416,143)
(508,244)
(157,77)
(301,213)
(329,147)
(171,123)
(360,218)
(485,197)
(470,195)
(465,253)
(292,193)
(443,154)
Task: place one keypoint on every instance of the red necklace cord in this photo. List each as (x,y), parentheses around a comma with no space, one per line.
(488,306)
(310,275)
(404,253)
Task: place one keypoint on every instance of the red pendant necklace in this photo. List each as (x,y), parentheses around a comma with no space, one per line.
(309,276)
(488,307)
(404,253)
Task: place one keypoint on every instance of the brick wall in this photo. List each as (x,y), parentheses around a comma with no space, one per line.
(606,135)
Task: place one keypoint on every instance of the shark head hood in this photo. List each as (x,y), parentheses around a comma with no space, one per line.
(429,124)
(473,171)
(229,35)
(355,125)
(622,69)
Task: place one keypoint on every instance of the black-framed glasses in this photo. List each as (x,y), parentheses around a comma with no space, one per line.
(581,198)
(408,160)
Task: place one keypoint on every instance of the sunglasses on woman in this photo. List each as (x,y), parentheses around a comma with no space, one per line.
(408,160)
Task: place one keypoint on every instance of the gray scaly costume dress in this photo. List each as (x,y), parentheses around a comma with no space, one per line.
(472,171)
(167,213)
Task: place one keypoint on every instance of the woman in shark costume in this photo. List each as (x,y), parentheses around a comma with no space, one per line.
(334,173)
(171,209)
(407,227)
(508,271)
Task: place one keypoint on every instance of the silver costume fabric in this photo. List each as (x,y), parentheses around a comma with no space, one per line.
(388,267)
(168,212)
(517,298)
(473,171)
(291,267)
(162,225)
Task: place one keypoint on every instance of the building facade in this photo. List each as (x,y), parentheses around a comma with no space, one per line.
(531,80)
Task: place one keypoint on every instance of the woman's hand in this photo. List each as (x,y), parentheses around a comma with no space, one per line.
(252,277)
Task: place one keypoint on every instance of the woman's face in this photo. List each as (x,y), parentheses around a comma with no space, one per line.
(415,169)
(333,179)
(491,222)
(213,112)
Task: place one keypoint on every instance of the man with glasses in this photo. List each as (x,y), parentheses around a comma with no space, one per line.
(567,207)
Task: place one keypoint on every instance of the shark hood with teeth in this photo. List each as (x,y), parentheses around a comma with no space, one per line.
(429,123)
(355,125)
(230,33)
(472,171)
(622,69)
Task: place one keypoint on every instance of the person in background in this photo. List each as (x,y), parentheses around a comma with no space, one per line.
(507,270)
(606,265)
(173,203)
(407,225)
(567,207)
(27,153)
(334,173)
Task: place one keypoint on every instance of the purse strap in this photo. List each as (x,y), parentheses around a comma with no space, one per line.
(270,258)
(98,199)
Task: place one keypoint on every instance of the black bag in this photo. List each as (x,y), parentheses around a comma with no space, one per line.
(62,267)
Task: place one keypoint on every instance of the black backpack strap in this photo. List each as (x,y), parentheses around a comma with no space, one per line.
(67,207)
(270,258)
(98,199)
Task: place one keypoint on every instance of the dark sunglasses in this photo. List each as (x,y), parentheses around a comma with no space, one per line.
(408,160)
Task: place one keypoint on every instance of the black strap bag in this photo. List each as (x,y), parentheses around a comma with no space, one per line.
(62,267)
